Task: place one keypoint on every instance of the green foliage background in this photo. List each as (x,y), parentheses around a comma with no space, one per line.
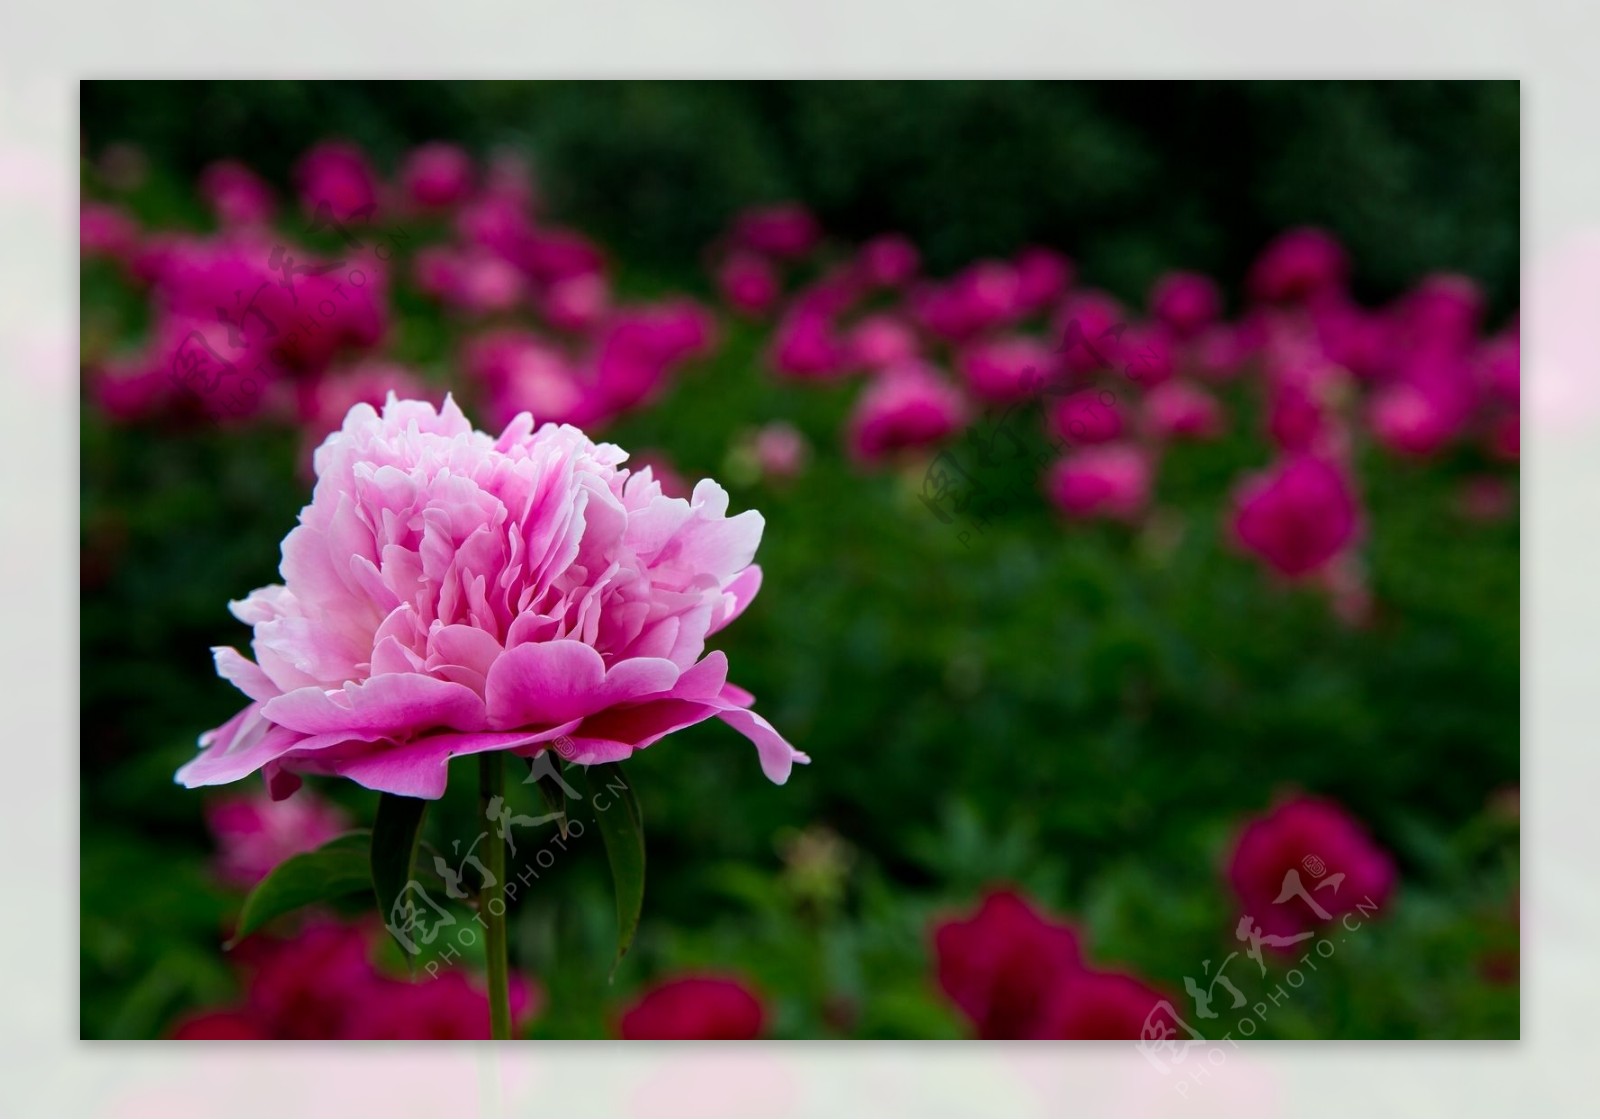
(1088,712)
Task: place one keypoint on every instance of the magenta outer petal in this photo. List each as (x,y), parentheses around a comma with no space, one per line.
(238,748)
(742,590)
(421,768)
(777,756)
(393,705)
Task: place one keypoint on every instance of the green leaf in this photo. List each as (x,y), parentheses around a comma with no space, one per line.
(336,869)
(395,835)
(616,813)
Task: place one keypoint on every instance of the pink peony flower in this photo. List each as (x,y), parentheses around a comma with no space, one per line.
(210,1025)
(1314,841)
(1006,369)
(1180,410)
(1003,965)
(696,1007)
(979,298)
(1297,265)
(749,283)
(1186,302)
(1087,416)
(1297,516)
(1148,355)
(576,303)
(1099,1005)
(336,174)
(447,593)
(1218,353)
(1111,480)
(1442,312)
(435,176)
(255,833)
(522,372)
(888,261)
(236,194)
(881,340)
(785,230)
(908,406)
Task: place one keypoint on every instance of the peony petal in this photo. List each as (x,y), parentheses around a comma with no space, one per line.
(393,705)
(536,685)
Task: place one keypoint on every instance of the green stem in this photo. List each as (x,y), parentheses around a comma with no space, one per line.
(492,898)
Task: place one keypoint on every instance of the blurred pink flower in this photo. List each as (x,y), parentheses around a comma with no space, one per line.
(255,833)
(1003,965)
(436,176)
(446,1006)
(488,594)
(805,345)
(1505,437)
(786,230)
(1111,480)
(749,283)
(780,449)
(1093,1005)
(1093,323)
(1298,515)
(522,372)
(1181,410)
(1316,842)
(1499,368)
(576,303)
(1217,354)
(236,194)
(880,340)
(1409,420)
(888,261)
(473,279)
(1442,312)
(107,230)
(1087,416)
(696,1007)
(1042,276)
(1004,369)
(980,297)
(337,174)
(1297,265)
(909,406)
(1186,302)
(1147,351)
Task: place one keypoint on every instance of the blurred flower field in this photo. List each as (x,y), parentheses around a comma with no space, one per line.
(1153,638)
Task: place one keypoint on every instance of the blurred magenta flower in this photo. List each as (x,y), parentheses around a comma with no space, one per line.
(255,833)
(881,339)
(336,174)
(1091,325)
(436,176)
(1042,277)
(577,303)
(1298,265)
(1298,515)
(1186,303)
(447,593)
(106,230)
(1499,366)
(1111,480)
(236,194)
(1442,312)
(888,261)
(473,279)
(1217,354)
(1087,416)
(321,983)
(1409,420)
(909,406)
(806,345)
(696,1007)
(1505,437)
(786,230)
(522,372)
(1093,1005)
(1003,965)
(980,297)
(1181,410)
(749,283)
(1006,368)
(1315,845)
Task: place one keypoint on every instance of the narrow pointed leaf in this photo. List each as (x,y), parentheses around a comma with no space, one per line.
(616,813)
(395,835)
(337,869)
